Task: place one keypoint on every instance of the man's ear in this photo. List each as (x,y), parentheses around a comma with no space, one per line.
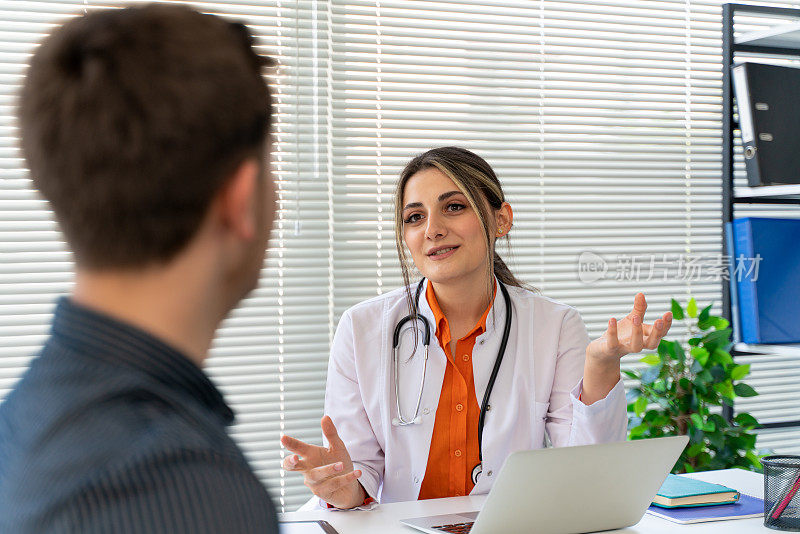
(236,201)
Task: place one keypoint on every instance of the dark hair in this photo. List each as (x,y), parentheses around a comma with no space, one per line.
(132,119)
(477,180)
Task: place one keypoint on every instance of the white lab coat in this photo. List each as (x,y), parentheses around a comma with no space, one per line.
(536,390)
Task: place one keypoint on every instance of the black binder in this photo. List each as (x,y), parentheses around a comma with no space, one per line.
(768,99)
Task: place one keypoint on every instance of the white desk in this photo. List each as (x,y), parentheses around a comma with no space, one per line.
(385,518)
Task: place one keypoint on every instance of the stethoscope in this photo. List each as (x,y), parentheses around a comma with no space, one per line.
(426,341)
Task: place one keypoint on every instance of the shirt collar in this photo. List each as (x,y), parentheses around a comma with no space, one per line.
(99,336)
(443,327)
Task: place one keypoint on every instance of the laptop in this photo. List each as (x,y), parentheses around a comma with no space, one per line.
(568,490)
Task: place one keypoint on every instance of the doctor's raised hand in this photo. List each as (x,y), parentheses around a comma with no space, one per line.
(327,471)
(628,336)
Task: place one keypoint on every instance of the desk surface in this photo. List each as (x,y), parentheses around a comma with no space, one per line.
(385,518)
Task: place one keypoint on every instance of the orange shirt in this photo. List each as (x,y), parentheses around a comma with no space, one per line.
(454,444)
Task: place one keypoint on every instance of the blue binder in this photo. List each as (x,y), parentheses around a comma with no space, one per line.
(769,287)
(733,290)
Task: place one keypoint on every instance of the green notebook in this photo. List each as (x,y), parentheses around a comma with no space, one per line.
(677,491)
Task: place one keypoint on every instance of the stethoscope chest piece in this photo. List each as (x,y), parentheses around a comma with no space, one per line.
(476,473)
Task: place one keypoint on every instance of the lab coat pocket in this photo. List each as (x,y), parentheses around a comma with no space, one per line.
(538,419)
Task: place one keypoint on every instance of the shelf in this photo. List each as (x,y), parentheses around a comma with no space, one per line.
(789,349)
(768,194)
(786,36)
(769,190)
(780,41)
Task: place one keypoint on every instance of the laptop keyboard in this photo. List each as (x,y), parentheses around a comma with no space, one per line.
(456,528)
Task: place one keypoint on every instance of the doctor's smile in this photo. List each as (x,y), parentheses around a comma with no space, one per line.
(441,252)
(412,403)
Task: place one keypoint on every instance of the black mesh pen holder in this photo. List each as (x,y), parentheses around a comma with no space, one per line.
(782,492)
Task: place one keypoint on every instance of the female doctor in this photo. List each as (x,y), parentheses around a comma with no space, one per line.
(405,424)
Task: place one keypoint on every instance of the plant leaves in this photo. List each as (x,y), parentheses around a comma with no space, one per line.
(682,389)
(660,386)
(716,439)
(748,441)
(695,449)
(701,386)
(677,311)
(745,420)
(677,352)
(663,349)
(700,355)
(650,359)
(685,384)
(725,389)
(722,357)
(704,324)
(705,313)
(640,406)
(630,374)
(720,323)
(691,308)
(697,420)
(704,376)
(743,390)
(740,371)
(719,421)
(716,338)
(717,373)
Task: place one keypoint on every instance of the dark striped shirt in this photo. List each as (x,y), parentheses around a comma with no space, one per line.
(111,430)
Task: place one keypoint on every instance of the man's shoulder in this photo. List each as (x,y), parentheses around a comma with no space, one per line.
(119,441)
(87,408)
(170,489)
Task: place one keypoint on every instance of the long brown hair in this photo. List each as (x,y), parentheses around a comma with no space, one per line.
(475,178)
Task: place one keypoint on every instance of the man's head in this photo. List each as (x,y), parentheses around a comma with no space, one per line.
(135,121)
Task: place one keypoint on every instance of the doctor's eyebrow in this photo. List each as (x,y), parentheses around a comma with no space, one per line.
(442,197)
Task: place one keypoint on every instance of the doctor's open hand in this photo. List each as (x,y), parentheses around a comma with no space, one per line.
(327,471)
(627,336)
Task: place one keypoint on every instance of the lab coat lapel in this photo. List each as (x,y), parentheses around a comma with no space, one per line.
(488,344)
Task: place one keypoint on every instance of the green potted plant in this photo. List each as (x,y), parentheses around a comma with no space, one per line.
(682,391)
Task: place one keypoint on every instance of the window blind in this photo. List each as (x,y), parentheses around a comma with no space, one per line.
(601,118)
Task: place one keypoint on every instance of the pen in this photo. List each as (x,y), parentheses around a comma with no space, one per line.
(778,510)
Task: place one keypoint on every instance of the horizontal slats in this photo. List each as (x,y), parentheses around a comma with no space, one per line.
(601,117)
